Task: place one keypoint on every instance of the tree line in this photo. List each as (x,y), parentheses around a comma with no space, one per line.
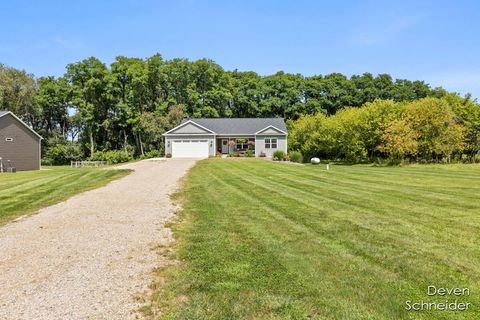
(424,130)
(129,104)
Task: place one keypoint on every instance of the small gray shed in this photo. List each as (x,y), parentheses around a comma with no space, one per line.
(20,146)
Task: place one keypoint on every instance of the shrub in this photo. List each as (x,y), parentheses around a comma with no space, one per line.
(279,155)
(295,156)
(168,155)
(218,154)
(250,153)
(232,154)
(47,162)
(476,158)
(118,156)
(152,154)
(112,156)
(63,153)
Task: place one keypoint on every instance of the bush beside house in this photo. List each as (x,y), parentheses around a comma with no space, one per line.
(426,130)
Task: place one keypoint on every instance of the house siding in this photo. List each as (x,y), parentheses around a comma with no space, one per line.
(24,151)
(260,144)
(210,138)
(270,131)
(190,128)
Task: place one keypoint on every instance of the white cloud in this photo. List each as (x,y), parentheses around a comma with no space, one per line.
(66,43)
(58,43)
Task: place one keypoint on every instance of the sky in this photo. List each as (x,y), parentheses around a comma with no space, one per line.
(434,41)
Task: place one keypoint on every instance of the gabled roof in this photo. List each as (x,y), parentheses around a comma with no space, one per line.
(247,126)
(4,113)
(184,123)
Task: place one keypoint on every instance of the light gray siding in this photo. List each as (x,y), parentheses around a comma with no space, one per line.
(190,128)
(271,131)
(24,149)
(210,138)
(260,144)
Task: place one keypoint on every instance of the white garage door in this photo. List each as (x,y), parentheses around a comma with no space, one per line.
(190,149)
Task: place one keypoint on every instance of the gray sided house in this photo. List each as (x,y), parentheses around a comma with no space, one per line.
(204,137)
(19,144)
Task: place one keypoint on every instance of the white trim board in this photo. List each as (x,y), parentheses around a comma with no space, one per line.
(184,124)
(259,132)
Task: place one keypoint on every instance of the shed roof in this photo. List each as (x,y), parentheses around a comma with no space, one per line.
(3,113)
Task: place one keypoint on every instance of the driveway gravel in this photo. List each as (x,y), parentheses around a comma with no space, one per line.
(87,257)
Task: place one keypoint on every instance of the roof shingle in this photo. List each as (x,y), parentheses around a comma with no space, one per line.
(238,125)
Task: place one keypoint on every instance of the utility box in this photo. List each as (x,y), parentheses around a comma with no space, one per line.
(12,169)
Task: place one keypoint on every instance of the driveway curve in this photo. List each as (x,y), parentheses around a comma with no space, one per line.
(87,257)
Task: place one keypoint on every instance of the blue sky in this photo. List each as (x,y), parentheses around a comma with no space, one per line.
(435,41)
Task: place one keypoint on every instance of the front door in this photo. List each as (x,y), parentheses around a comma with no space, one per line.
(224,146)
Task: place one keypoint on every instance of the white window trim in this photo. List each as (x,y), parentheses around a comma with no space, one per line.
(270,143)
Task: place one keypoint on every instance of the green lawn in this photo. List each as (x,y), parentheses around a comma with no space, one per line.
(263,240)
(25,192)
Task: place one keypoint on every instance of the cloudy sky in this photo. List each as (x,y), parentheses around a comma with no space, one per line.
(434,41)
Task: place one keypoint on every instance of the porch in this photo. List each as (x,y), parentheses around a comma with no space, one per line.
(240,145)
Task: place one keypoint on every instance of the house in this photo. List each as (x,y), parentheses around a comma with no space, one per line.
(204,137)
(20,146)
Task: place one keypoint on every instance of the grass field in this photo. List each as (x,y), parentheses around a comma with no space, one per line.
(263,240)
(25,192)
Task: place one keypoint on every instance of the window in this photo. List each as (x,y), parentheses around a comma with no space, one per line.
(9,139)
(270,143)
(242,144)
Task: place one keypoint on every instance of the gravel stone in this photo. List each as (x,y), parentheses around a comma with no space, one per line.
(87,257)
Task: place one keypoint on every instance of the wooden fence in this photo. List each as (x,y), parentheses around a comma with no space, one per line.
(81,164)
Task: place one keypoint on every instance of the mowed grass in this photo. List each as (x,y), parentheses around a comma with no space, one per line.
(26,192)
(263,240)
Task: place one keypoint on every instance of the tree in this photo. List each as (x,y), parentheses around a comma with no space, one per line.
(155,125)
(440,134)
(399,140)
(17,91)
(467,112)
(52,101)
(131,92)
(91,83)
(247,92)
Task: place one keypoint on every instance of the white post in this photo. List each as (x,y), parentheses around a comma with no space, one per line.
(328,166)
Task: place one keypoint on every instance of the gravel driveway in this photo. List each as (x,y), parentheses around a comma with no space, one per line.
(87,257)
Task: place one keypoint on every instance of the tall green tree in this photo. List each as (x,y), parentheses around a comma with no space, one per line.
(91,83)
(53,102)
(131,92)
(17,92)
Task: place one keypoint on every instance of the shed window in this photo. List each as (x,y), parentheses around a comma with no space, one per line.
(9,139)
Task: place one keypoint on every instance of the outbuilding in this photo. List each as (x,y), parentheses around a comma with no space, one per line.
(20,145)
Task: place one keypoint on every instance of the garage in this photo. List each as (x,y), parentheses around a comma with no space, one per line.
(190,149)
